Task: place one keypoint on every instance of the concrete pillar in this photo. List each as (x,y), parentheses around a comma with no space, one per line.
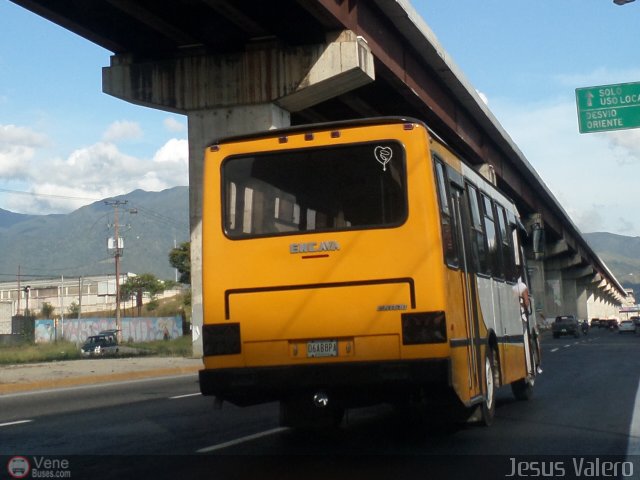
(250,90)
(582,300)
(569,296)
(204,125)
(537,278)
(553,293)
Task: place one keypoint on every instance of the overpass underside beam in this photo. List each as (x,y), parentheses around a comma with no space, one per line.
(292,77)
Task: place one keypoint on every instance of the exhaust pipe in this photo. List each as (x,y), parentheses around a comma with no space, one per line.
(321,399)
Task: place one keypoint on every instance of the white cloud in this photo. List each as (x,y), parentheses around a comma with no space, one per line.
(174,151)
(96,172)
(483,97)
(174,126)
(170,166)
(122,130)
(17,147)
(593,176)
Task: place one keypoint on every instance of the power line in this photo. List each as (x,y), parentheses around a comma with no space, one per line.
(49,195)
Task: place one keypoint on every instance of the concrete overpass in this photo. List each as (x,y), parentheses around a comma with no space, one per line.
(237,66)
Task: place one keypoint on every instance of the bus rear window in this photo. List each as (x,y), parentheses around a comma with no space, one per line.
(334,188)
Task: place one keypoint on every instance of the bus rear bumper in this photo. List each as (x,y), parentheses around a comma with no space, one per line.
(354,383)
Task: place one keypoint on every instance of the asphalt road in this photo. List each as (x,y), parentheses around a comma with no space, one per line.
(581,415)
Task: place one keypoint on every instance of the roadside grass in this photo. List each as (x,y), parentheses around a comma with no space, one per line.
(177,347)
(39,352)
(63,350)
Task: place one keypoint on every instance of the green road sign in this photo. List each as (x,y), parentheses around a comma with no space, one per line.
(608,107)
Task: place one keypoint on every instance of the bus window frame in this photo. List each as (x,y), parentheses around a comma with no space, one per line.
(494,258)
(479,249)
(451,256)
(225,183)
(506,241)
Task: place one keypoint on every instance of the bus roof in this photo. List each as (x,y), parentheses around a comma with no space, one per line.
(316,126)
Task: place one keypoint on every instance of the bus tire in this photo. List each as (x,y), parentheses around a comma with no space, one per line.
(523,389)
(488,407)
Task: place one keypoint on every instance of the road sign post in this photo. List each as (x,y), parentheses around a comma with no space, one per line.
(608,107)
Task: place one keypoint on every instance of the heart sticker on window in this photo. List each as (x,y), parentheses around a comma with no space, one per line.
(383,155)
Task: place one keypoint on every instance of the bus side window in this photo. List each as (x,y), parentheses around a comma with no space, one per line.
(493,252)
(506,246)
(479,258)
(518,268)
(447,220)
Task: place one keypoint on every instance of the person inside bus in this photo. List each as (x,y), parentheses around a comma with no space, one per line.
(523,293)
(525,311)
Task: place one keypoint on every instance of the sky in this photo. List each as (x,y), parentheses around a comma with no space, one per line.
(64,143)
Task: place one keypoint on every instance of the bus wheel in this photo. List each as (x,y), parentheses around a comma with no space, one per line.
(488,407)
(523,389)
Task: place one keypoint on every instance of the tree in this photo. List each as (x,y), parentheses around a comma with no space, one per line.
(180,258)
(74,310)
(145,282)
(47,310)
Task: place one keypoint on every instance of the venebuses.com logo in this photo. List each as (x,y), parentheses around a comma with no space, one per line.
(18,467)
(39,467)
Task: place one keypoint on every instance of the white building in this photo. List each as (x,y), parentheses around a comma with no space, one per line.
(90,293)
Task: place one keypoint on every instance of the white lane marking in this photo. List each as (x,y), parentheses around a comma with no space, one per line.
(633,447)
(567,346)
(185,396)
(17,422)
(91,386)
(248,438)
(554,349)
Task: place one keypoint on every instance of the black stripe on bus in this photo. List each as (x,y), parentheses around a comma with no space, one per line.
(465,342)
(507,339)
(281,288)
(511,339)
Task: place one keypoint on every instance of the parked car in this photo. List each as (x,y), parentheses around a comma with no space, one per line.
(100,345)
(627,326)
(612,323)
(565,325)
(595,322)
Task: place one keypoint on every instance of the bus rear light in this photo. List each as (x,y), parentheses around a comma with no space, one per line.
(421,328)
(408,126)
(221,339)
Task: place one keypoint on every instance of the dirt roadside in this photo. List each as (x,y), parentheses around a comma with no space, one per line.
(36,376)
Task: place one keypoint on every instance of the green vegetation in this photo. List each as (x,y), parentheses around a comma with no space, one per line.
(40,352)
(179,347)
(144,283)
(180,258)
(63,350)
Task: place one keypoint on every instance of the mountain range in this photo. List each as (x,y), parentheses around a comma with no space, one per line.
(151,223)
(75,244)
(621,254)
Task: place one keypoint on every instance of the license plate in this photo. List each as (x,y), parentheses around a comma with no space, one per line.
(564,330)
(322,348)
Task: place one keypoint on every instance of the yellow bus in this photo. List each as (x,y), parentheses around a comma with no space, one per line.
(356,263)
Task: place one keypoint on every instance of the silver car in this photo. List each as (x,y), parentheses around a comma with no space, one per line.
(627,326)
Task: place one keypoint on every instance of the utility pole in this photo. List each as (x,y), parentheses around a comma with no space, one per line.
(19,292)
(118,247)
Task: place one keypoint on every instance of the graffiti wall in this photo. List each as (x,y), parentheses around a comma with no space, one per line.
(133,329)
(45,331)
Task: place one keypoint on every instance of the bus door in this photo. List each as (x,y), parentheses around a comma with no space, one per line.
(461,218)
